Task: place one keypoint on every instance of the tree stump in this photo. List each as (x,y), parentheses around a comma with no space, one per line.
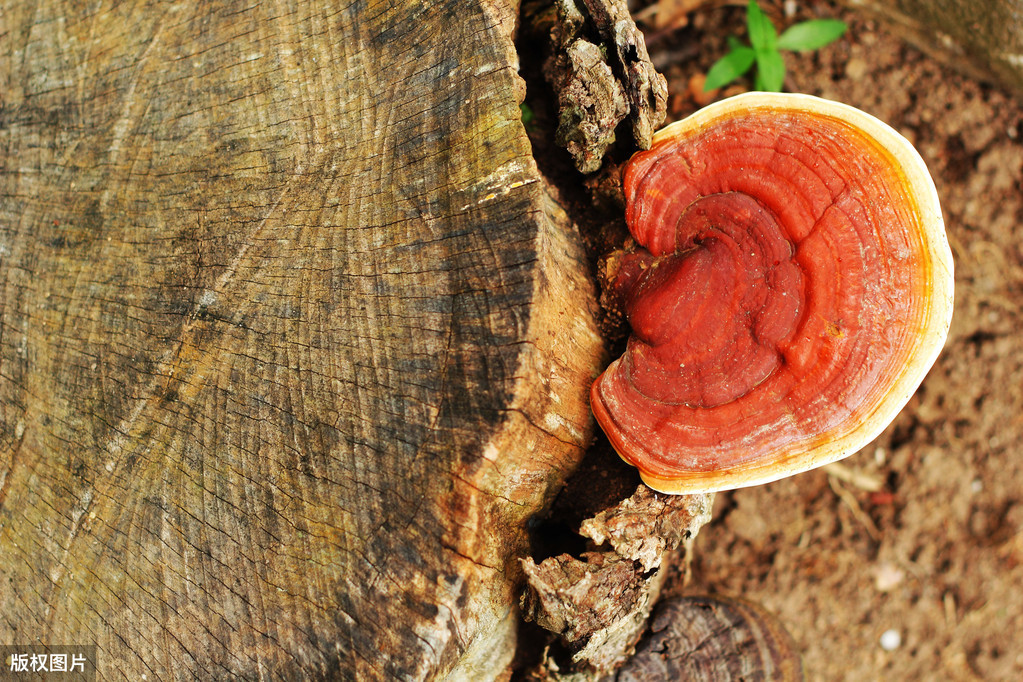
(293,342)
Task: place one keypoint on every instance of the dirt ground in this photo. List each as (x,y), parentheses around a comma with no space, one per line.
(922,533)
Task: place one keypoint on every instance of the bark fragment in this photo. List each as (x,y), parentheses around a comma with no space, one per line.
(598,603)
(601,72)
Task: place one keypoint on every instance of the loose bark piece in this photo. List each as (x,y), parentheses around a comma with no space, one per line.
(292,340)
(598,605)
(599,602)
(647,90)
(576,598)
(591,103)
(643,527)
(601,72)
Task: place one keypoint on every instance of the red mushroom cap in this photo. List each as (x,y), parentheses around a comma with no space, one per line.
(791,287)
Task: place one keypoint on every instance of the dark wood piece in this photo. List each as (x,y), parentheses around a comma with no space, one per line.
(713,639)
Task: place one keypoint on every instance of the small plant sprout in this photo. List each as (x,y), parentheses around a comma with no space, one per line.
(765,49)
(528,117)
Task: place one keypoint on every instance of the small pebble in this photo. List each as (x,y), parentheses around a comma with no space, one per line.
(887,577)
(856,68)
(891,640)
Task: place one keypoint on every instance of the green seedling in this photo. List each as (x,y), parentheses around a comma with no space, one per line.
(528,117)
(765,49)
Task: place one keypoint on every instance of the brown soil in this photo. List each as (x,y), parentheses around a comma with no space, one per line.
(935,554)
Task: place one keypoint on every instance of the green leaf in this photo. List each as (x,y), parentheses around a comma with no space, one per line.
(811,35)
(729,67)
(770,70)
(527,113)
(761,31)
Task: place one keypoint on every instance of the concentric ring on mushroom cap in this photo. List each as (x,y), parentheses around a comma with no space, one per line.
(792,287)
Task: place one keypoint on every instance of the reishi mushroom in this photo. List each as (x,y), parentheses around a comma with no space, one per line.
(789,288)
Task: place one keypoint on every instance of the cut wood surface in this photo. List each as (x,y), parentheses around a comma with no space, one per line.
(292,341)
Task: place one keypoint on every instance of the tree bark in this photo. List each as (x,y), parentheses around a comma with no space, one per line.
(293,342)
(598,603)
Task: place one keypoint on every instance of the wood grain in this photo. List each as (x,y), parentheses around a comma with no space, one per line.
(292,341)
